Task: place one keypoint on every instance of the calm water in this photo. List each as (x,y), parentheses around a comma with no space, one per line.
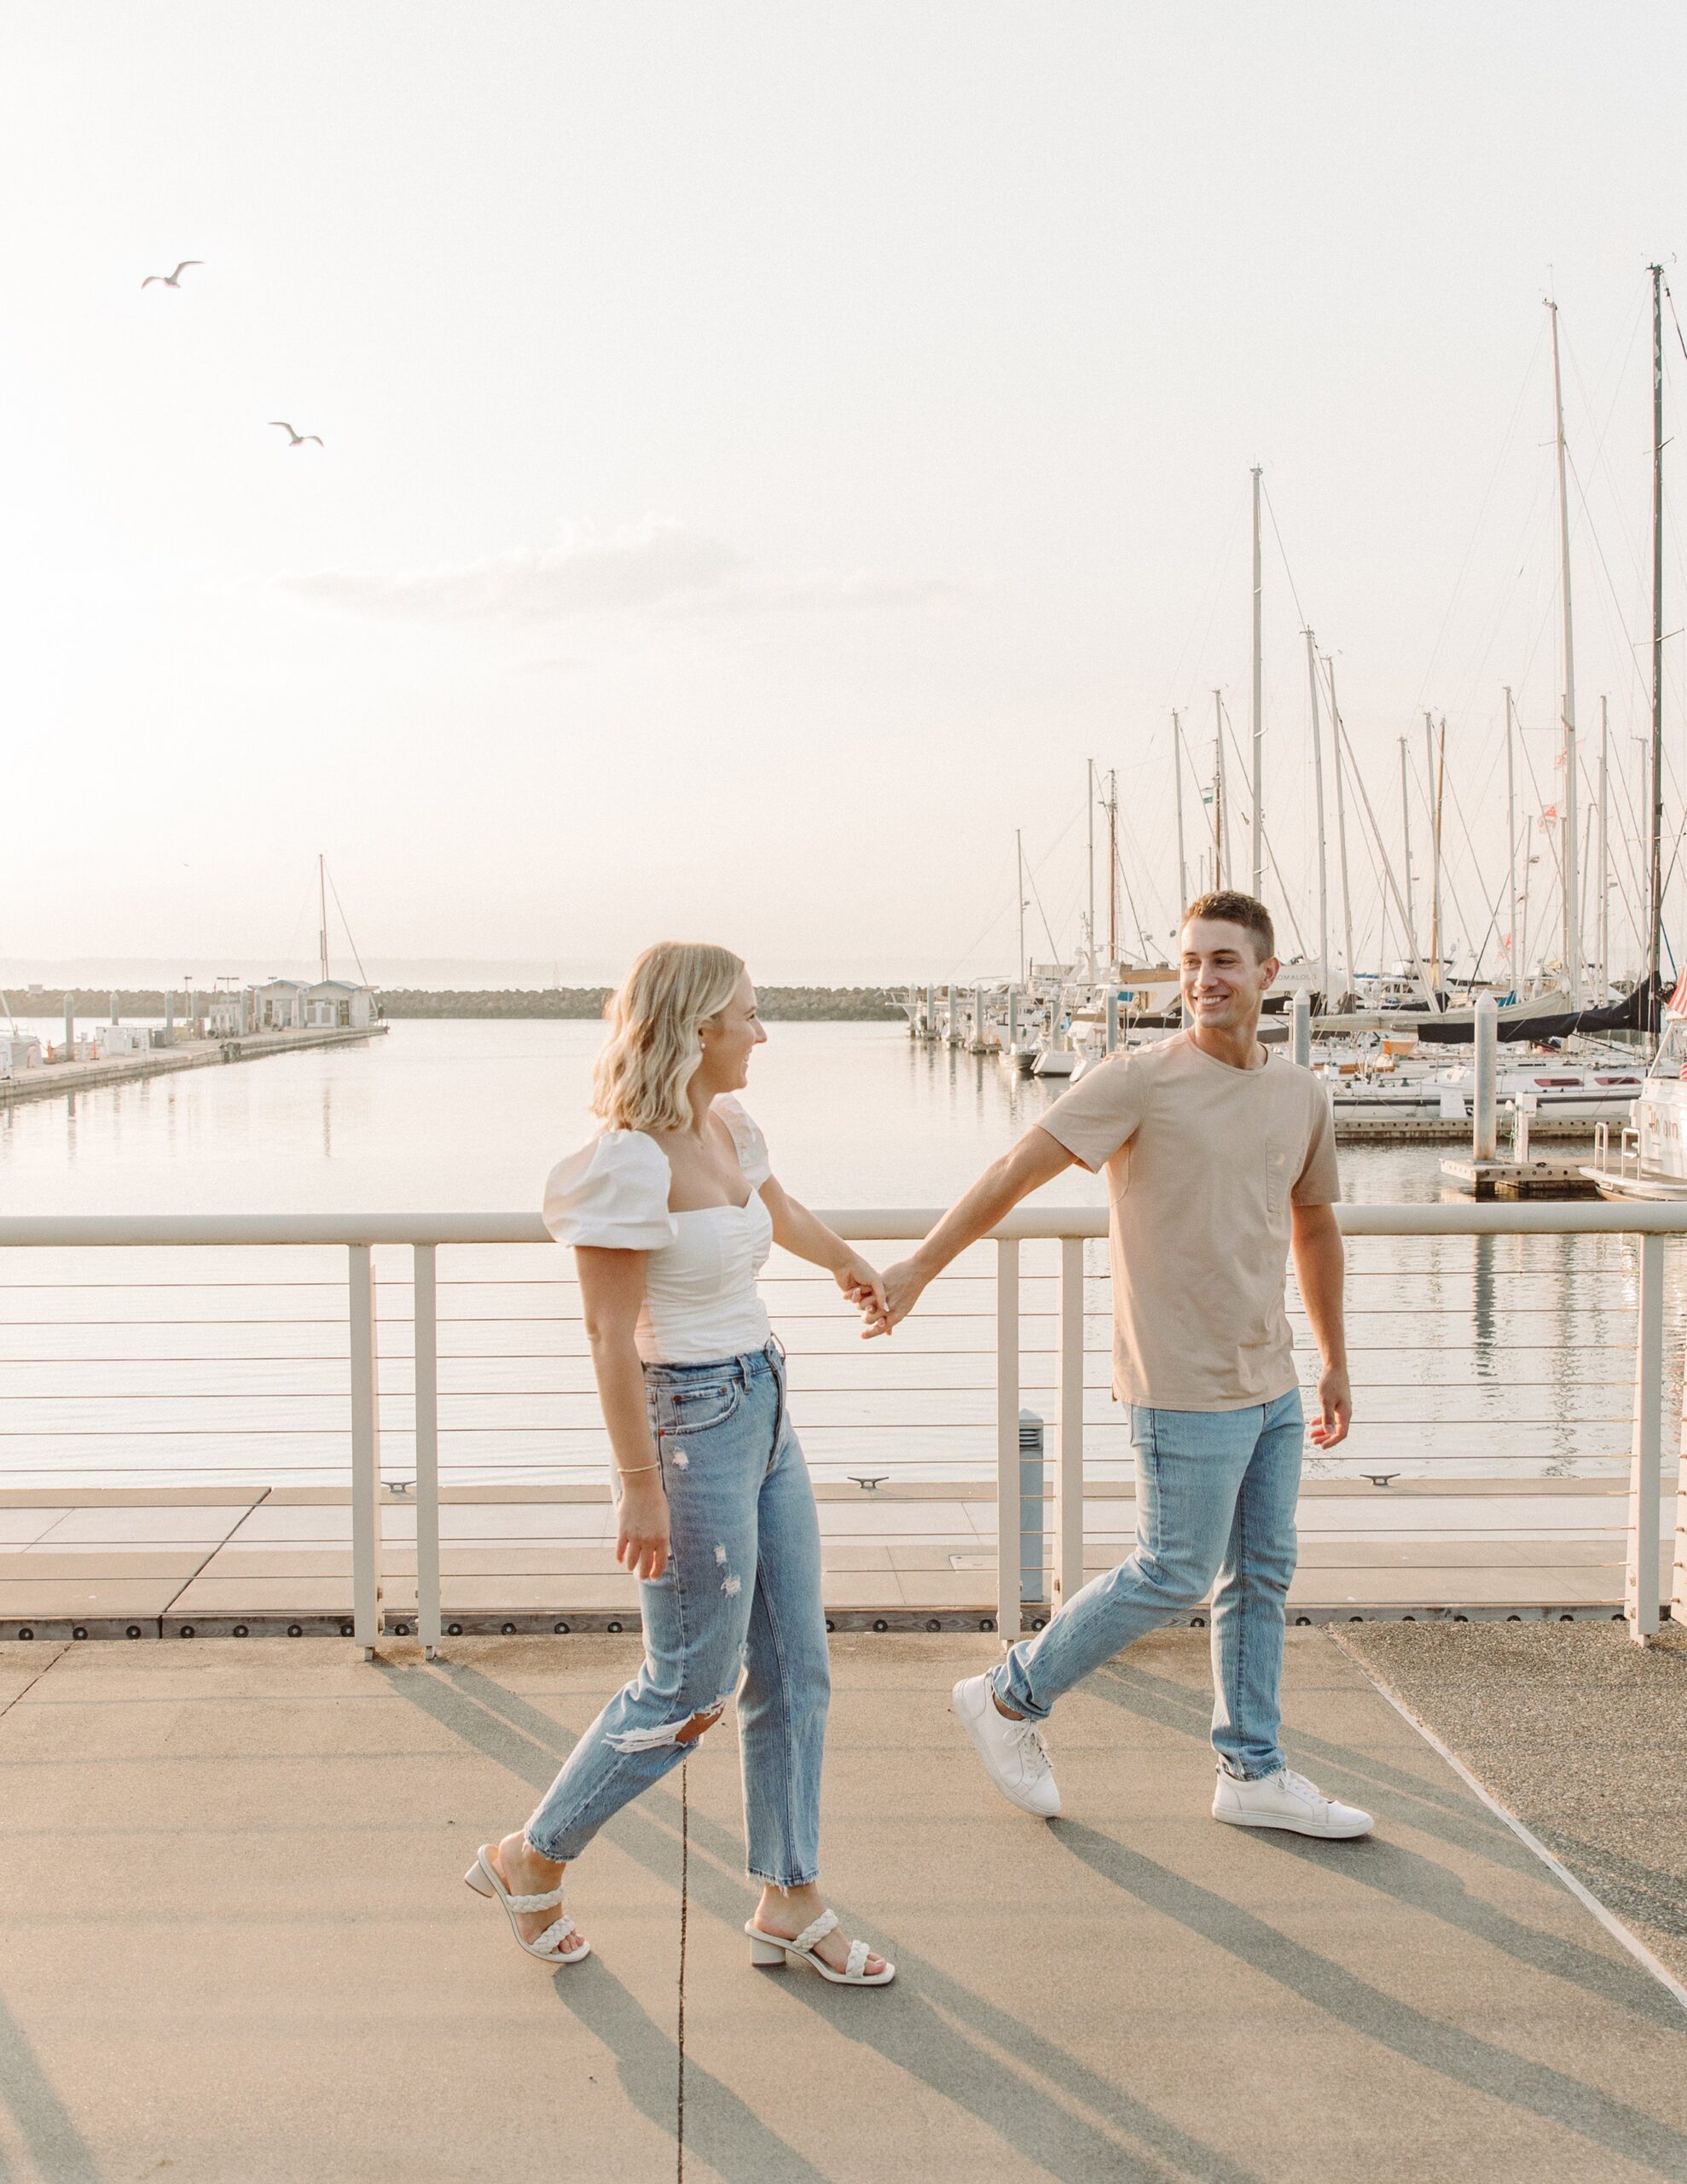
(1508,1354)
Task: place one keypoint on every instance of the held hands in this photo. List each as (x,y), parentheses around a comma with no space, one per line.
(1335,1409)
(642,1525)
(862,1283)
(900,1290)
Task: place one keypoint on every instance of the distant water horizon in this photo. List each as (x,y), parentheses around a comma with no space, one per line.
(442,974)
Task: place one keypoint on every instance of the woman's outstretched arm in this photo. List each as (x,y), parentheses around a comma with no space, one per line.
(806,1236)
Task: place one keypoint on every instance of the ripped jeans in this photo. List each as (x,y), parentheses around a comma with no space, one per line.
(738,1608)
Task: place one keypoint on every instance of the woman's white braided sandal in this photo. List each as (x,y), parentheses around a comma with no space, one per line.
(483,1876)
(775,1948)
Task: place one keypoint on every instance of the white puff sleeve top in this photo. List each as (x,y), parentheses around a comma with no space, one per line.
(701,1301)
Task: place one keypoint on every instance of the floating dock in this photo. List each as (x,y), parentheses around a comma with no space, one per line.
(55,1080)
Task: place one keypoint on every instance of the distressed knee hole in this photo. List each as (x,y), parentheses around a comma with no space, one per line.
(687,1731)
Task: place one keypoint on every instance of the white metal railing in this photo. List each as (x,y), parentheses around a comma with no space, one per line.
(424,1234)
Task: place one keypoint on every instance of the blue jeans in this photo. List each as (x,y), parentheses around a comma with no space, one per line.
(1216,1496)
(738,1608)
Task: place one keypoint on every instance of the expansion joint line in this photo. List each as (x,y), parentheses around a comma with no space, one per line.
(43,1671)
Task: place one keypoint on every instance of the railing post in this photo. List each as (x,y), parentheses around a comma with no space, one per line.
(365,1454)
(425,1292)
(1068,1571)
(1646,1475)
(1007,1438)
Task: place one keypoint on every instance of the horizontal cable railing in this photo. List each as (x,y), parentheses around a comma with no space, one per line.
(1486,1341)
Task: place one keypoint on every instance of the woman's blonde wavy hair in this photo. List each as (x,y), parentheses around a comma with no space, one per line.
(653,1049)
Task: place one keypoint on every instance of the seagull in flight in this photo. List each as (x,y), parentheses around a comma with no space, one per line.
(296,439)
(172,279)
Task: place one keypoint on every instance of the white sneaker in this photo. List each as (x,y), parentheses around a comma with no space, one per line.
(1285,1800)
(1015,1757)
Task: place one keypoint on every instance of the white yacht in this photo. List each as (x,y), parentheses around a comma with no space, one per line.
(1651,1160)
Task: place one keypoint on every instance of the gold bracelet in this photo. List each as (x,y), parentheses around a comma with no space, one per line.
(637,1468)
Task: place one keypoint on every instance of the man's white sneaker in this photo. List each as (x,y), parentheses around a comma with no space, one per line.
(1015,1757)
(1285,1800)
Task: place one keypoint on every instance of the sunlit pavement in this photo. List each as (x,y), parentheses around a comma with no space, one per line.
(234,1943)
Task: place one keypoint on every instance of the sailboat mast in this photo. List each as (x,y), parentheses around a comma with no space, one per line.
(1019,859)
(1177,782)
(1654,908)
(1219,880)
(1406,849)
(1435,856)
(1602,919)
(322,913)
(1351,976)
(1572,884)
(1323,861)
(1513,938)
(1440,803)
(1112,871)
(1089,800)
(1259,710)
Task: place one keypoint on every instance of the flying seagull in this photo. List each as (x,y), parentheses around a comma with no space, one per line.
(296,439)
(172,279)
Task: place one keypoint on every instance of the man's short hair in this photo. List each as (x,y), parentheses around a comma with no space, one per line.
(1230,907)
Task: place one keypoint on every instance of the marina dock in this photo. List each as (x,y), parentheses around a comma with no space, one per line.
(57,1080)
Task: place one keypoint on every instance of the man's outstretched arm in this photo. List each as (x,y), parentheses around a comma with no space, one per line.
(1035,1160)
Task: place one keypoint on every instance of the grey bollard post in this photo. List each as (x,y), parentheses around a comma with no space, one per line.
(952,1026)
(70,1027)
(931,1012)
(1112,1023)
(1012,1018)
(113,1008)
(977,1016)
(169,1019)
(1300,1013)
(1033,1576)
(1485,1106)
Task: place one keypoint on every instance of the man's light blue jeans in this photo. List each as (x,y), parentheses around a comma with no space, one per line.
(738,1609)
(1216,1496)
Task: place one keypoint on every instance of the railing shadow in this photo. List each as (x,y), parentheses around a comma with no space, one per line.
(1450,2051)
(55,2147)
(908,2025)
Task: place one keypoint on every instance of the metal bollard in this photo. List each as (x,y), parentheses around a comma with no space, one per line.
(1112,1023)
(1033,1573)
(1300,1016)
(1485,1106)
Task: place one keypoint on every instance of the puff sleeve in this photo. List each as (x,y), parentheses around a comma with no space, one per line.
(747,1136)
(613,1194)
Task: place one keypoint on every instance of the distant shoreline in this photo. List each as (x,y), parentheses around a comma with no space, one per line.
(779,1004)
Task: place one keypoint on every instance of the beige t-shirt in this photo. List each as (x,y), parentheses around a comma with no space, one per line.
(1202,1162)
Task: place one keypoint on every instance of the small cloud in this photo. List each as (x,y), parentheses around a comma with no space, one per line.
(658,567)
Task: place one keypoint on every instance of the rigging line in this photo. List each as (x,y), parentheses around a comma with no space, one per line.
(1628,644)
(1678,334)
(347,922)
(1481,518)
(1599,455)
(1053,952)
(1124,882)
(1265,835)
(1283,551)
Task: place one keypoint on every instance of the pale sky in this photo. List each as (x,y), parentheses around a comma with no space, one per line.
(768,449)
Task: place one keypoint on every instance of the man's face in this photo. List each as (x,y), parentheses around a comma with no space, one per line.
(1223,980)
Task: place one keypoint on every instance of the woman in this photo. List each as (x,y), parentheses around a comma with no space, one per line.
(671,1212)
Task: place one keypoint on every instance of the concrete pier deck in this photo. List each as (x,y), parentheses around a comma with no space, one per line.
(236,1947)
(221,1561)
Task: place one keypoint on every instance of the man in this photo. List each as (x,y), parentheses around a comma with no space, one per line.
(1216,1164)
